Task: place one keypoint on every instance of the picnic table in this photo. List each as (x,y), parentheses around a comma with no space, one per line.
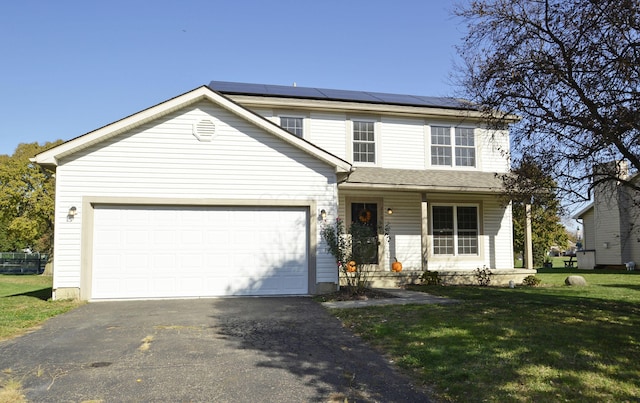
(571,262)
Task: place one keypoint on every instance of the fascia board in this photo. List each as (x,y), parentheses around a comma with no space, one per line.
(418,188)
(363,107)
(582,212)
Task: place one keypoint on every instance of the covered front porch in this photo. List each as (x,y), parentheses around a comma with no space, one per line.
(450,222)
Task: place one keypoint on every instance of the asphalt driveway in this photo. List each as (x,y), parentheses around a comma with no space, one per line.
(201,350)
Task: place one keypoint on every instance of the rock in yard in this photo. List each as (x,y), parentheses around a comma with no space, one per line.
(575,280)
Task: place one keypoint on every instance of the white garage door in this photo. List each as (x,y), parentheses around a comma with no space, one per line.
(172,252)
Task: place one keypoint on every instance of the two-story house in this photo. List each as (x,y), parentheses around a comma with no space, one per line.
(223,190)
(611,223)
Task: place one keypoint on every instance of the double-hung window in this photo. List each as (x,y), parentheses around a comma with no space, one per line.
(364,141)
(453,148)
(465,147)
(292,125)
(455,230)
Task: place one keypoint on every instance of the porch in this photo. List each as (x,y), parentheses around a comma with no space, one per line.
(386,279)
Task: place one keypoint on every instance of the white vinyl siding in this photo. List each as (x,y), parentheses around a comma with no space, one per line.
(493,150)
(609,234)
(402,143)
(497,234)
(162,159)
(589,230)
(328,131)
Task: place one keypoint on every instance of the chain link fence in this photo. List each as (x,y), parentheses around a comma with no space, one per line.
(22,263)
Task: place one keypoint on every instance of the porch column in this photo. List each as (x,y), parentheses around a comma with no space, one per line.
(528,240)
(424,232)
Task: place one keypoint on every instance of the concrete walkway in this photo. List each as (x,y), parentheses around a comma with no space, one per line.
(402,297)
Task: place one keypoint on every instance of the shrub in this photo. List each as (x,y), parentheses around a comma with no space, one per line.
(431,278)
(356,244)
(483,276)
(531,281)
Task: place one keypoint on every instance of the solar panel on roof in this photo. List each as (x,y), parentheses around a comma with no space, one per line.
(349,95)
(333,94)
(295,91)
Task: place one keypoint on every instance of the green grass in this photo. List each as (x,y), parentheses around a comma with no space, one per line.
(549,343)
(556,261)
(25,303)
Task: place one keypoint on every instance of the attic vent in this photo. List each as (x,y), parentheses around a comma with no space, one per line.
(204,130)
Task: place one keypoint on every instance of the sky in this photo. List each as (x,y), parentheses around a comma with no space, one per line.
(68,67)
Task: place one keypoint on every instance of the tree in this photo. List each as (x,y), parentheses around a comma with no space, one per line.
(528,184)
(571,70)
(26,201)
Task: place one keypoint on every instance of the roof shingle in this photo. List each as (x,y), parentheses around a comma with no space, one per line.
(434,180)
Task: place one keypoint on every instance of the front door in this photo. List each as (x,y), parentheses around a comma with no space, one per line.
(365,233)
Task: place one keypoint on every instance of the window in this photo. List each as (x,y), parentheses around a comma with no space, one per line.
(364,145)
(292,125)
(440,146)
(462,146)
(465,147)
(455,230)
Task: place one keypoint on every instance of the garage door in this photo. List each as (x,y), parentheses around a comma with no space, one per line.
(172,252)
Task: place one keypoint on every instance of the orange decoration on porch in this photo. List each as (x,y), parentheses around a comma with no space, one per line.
(351,266)
(396,266)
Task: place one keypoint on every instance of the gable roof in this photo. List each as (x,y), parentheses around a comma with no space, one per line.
(583,211)
(267,90)
(52,156)
(423,180)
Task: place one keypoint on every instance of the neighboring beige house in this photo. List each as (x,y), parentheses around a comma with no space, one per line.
(611,226)
(223,191)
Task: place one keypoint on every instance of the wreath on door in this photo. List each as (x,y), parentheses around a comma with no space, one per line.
(364,216)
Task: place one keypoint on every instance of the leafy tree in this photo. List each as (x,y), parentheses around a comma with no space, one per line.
(529,184)
(571,70)
(26,201)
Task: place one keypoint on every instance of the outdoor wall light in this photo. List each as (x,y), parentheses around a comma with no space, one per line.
(323,214)
(606,245)
(389,211)
(72,213)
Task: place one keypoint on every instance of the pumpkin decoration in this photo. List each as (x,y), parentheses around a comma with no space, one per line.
(396,266)
(351,266)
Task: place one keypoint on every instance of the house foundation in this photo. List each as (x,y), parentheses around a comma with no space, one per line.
(499,277)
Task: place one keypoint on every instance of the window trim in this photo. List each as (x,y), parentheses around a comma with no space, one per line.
(376,140)
(456,247)
(291,116)
(452,147)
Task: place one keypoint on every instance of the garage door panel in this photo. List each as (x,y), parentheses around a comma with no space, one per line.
(156,252)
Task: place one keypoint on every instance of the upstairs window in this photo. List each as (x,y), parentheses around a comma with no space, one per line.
(364,145)
(465,147)
(455,230)
(440,146)
(455,148)
(292,125)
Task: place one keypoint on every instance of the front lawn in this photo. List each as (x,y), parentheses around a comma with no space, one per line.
(25,303)
(549,343)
